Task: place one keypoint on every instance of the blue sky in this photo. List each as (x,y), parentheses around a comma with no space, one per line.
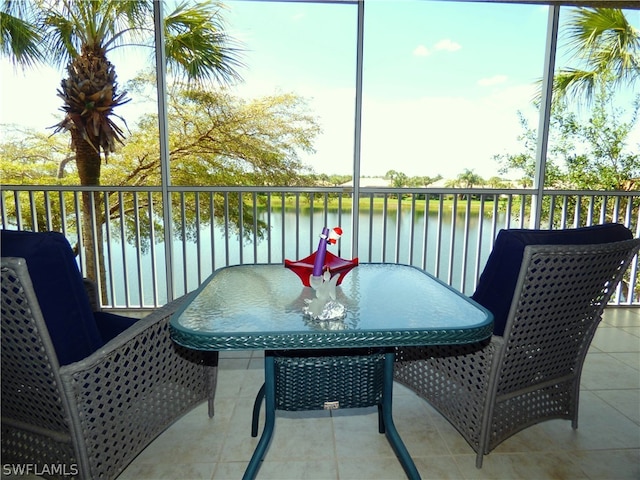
(442,81)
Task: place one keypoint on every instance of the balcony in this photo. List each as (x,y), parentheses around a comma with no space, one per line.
(448,232)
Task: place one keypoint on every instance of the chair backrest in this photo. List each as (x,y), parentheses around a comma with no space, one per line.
(560,296)
(497,282)
(59,289)
(32,392)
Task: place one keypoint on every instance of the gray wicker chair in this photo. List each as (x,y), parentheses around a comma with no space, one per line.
(492,390)
(90,418)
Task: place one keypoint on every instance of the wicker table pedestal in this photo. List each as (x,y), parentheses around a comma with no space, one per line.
(309,365)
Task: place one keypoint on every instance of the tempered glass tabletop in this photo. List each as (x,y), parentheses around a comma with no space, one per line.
(261,306)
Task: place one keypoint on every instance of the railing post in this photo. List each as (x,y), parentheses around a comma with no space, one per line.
(163,127)
(355,199)
(545,115)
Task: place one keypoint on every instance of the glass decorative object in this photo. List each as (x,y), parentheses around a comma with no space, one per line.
(323,272)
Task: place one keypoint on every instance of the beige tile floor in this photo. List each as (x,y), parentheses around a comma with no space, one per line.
(345,444)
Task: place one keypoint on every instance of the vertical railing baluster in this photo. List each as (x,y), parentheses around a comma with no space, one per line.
(183,236)
(616,210)
(226,226)
(523,202)
(255,226)
(325,198)
(152,252)
(138,240)
(590,211)
(425,232)
(412,212)
(34,211)
(384,226)
(198,245)
(16,203)
(494,222)
(465,243)
(603,209)
(212,229)
(507,220)
(452,239)
(283,238)
(63,213)
(109,243)
(47,211)
(311,222)
(476,266)
(94,236)
(3,211)
(241,227)
(340,223)
(269,228)
(552,211)
(297,197)
(398,232)
(563,216)
(371,227)
(439,234)
(77,208)
(123,241)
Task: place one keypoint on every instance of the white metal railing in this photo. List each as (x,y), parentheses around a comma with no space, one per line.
(448,232)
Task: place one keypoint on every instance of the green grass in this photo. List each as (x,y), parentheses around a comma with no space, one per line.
(377,206)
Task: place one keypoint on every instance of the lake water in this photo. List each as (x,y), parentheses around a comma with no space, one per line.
(419,242)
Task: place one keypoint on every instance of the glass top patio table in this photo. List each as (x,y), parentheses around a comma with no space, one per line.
(388,305)
(260,307)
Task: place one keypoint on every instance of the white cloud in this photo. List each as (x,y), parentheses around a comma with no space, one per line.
(421,51)
(495,80)
(447,45)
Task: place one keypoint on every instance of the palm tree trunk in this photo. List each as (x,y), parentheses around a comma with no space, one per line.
(88,164)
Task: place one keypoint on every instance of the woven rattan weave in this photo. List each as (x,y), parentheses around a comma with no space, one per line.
(491,390)
(94,416)
(347,379)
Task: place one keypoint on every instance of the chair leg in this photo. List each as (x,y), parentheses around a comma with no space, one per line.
(256,411)
(212,380)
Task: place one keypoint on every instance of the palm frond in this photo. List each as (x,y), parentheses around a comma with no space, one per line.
(20,38)
(197,46)
(604,46)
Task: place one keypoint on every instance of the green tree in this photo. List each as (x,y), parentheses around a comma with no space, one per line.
(217,139)
(79,34)
(524,162)
(606,160)
(397,179)
(469,179)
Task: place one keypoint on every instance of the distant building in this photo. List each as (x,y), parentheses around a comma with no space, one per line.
(369,182)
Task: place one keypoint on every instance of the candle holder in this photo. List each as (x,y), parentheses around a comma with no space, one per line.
(335,265)
(323,271)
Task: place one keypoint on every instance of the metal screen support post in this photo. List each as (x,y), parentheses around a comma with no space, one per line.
(163,128)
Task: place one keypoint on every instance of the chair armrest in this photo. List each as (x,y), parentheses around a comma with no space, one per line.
(461,368)
(140,381)
(149,327)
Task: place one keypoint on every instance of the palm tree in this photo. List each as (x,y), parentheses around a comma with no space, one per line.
(606,45)
(80,34)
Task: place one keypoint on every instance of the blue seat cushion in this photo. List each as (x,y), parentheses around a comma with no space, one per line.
(61,294)
(497,282)
(110,325)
